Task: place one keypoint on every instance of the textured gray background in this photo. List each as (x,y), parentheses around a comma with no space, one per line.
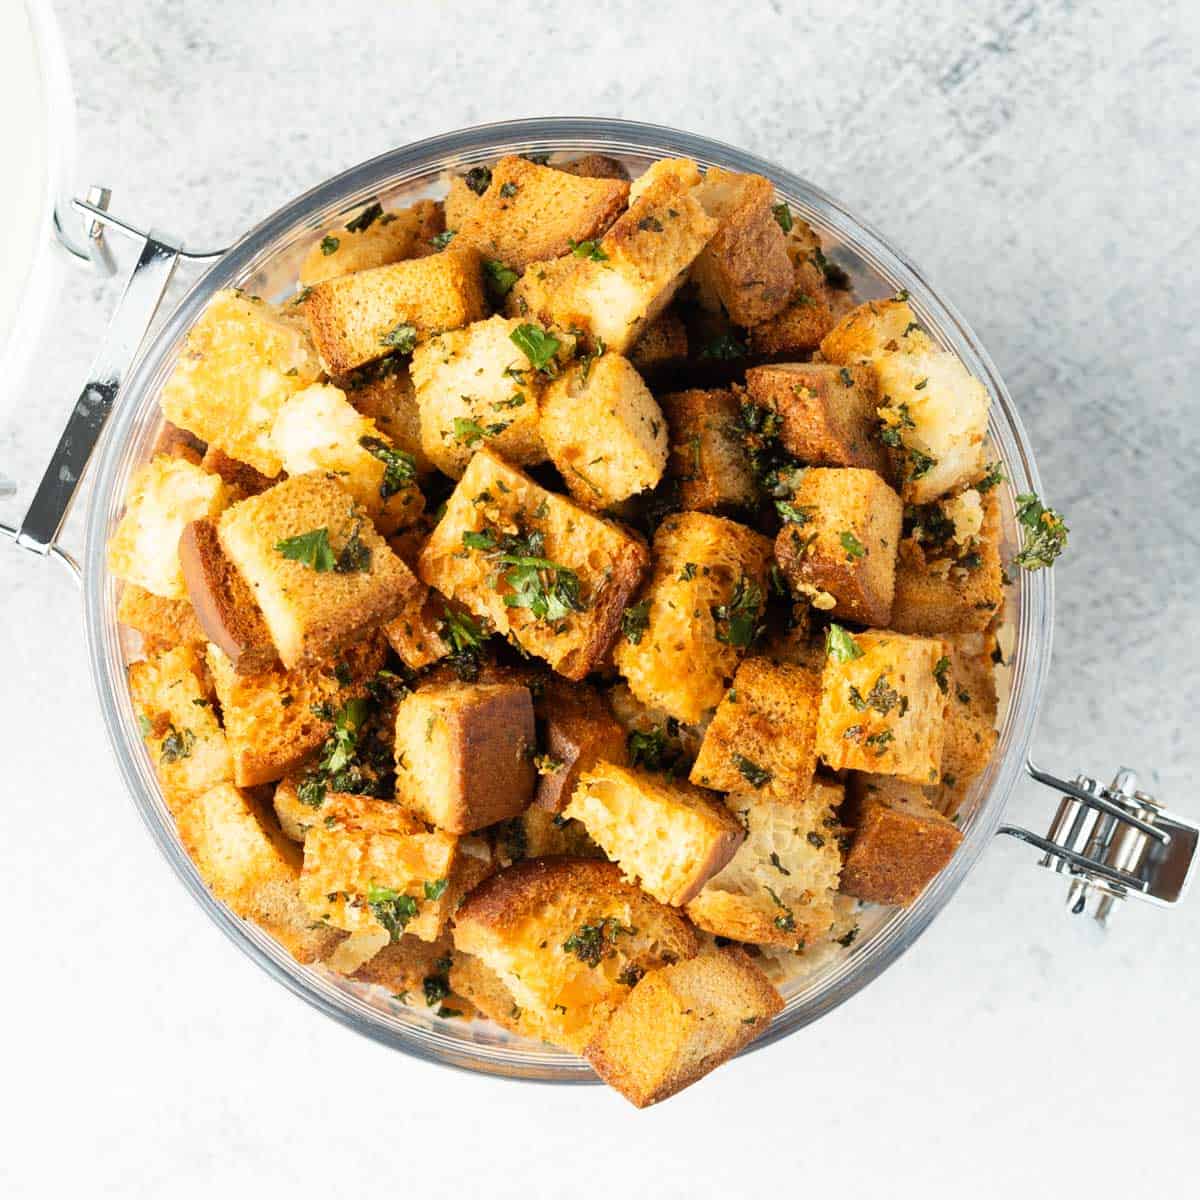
(1041,163)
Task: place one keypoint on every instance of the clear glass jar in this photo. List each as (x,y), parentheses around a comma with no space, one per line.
(265,262)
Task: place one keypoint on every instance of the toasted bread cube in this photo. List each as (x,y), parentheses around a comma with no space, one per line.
(682,1021)
(401,967)
(797,329)
(949,585)
(164,495)
(494,499)
(475,387)
(871,330)
(843,551)
(827,413)
(367,879)
(665,834)
(537,833)
(702,605)
(358,318)
(529,212)
(796,639)
(319,430)
(569,938)
(970,720)
(221,601)
(662,344)
(779,888)
(882,706)
(665,742)
(242,478)
(900,842)
(314,610)
(172,697)
(464,753)
(708,459)
(646,256)
(241,362)
(745,269)
(473,978)
(373,242)
(578,731)
(744,749)
(384,392)
(682,172)
(604,431)
(179,443)
(162,623)
(594,166)
(269,717)
(416,633)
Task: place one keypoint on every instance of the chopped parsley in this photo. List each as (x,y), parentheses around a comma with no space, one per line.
(786,919)
(587,249)
(919,463)
(499,278)
(478,179)
(1045,533)
(941,670)
(399,467)
(440,241)
(737,621)
(589,942)
(751,772)
(848,937)
(176,745)
(437,988)
(366,218)
(354,556)
(470,433)
(392,909)
(783,215)
(882,698)
(329,244)
(508,190)
(840,646)
(835,276)
(434,888)
(653,750)
(548,589)
(546,764)
(402,339)
(789,512)
(778,865)
(312,549)
(650,225)
(635,620)
(538,346)
(723,347)
(852,546)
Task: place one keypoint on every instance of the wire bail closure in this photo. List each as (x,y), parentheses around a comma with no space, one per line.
(1114,842)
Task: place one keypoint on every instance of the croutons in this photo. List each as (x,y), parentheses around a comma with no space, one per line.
(416,634)
(373,238)
(172,697)
(779,889)
(934,412)
(164,495)
(239,365)
(404,966)
(827,413)
(319,430)
(669,836)
(569,938)
(682,1021)
(744,269)
(882,704)
(662,344)
(604,431)
(242,478)
(970,720)
(530,212)
(646,255)
(594,166)
(319,572)
(162,623)
(900,842)
(358,318)
(537,833)
(475,387)
(708,460)
(472,978)
(384,392)
(839,542)
(221,601)
(762,738)
(697,615)
(566,610)
(949,577)
(464,753)
(269,716)
(578,730)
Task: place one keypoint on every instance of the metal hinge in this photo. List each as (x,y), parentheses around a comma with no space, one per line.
(1114,842)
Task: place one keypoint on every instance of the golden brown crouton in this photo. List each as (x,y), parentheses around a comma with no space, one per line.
(180,443)
(663,344)
(162,623)
(594,166)
(604,431)
(874,329)
(578,731)
(669,836)
(358,318)
(172,697)
(797,329)
(646,255)
(970,720)
(682,1021)
(537,833)
(384,392)
(568,938)
(373,238)
(900,842)
(571,611)
(473,978)
(530,213)
(950,579)
(240,363)
(762,738)
(839,542)
(319,430)
(697,614)
(464,753)
(827,413)
(882,705)
(221,601)
(269,716)
(475,387)
(708,459)
(403,966)
(164,495)
(744,269)
(318,570)
(779,889)
(242,478)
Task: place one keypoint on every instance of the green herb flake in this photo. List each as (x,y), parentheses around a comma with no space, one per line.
(538,346)
(393,910)
(941,670)
(402,339)
(508,190)
(366,218)
(176,745)
(723,347)
(587,249)
(852,546)
(590,942)
(399,467)
(440,241)
(1045,533)
(751,772)
(329,244)
(789,512)
(435,888)
(783,215)
(840,646)
(635,620)
(478,179)
(311,549)
(737,621)
(499,278)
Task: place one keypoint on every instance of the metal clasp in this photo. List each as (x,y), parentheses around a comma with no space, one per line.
(1114,842)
